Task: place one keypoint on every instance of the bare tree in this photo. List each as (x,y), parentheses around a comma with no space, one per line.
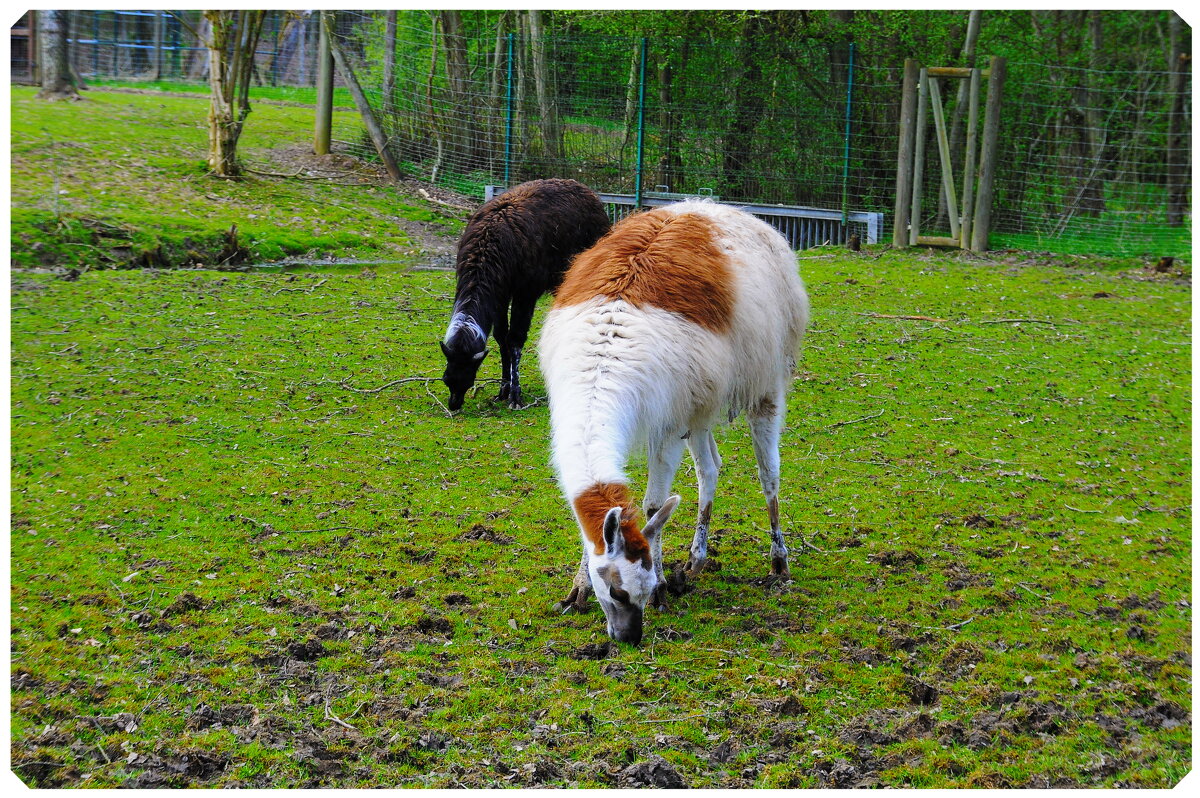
(232,40)
(389,65)
(1178,140)
(546,99)
(462,122)
(58,81)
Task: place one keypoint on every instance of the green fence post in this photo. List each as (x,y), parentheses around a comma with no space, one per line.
(509,122)
(846,156)
(637,179)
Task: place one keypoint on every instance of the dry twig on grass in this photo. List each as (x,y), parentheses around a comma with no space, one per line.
(874,315)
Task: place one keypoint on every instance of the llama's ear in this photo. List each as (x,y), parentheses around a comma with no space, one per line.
(445,349)
(614,541)
(656,523)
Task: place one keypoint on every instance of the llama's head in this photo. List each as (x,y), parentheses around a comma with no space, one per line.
(465,346)
(624,576)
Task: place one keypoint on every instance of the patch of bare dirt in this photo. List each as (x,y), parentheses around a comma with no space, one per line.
(656,772)
(593,651)
(486,534)
(298,162)
(185,769)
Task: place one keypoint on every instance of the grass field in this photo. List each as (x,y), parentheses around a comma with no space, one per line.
(89,193)
(249,547)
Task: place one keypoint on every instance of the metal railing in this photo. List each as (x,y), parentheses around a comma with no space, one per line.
(802,227)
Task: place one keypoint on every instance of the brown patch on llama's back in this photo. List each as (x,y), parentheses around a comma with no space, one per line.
(594,503)
(658,259)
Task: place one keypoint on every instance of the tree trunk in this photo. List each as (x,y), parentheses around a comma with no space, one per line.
(232,40)
(389,66)
(499,90)
(543,87)
(1178,133)
(57,81)
(842,34)
(1092,192)
(670,165)
(747,107)
(462,126)
(631,99)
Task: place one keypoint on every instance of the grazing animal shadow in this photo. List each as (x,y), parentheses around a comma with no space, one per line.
(515,248)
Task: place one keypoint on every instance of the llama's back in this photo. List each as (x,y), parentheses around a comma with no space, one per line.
(680,315)
(527,236)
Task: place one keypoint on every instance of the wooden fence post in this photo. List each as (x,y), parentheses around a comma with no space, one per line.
(969,167)
(943,142)
(324,122)
(904,157)
(374,129)
(987,156)
(914,218)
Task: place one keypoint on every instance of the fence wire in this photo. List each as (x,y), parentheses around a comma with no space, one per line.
(1090,161)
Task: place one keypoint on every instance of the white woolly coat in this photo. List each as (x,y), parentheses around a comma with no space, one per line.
(618,374)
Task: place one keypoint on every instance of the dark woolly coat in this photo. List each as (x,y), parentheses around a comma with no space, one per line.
(515,248)
(520,243)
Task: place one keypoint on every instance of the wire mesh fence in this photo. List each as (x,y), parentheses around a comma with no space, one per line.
(1090,160)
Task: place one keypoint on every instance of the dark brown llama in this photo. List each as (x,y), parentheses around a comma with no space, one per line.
(515,248)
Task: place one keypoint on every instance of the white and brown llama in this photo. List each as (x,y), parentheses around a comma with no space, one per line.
(679,319)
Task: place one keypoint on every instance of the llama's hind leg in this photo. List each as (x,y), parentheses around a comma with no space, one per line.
(708,465)
(518,333)
(581,588)
(766,424)
(663,462)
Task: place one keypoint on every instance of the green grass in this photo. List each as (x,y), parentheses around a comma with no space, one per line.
(232,529)
(89,193)
(297,94)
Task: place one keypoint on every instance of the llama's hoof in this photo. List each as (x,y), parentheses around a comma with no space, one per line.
(779,568)
(575,602)
(696,567)
(505,390)
(658,599)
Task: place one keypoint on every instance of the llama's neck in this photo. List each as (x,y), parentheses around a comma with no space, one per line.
(479,309)
(465,327)
(594,432)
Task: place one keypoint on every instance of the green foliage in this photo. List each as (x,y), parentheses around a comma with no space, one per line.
(246,552)
(753,105)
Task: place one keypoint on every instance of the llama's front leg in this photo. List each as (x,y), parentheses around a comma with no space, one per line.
(581,588)
(501,334)
(708,465)
(518,333)
(663,462)
(766,424)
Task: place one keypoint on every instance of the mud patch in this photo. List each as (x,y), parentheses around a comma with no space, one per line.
(485,534)
(205,717)
(655,772)
(593,651)
(842,775)
(897,558)
(307,650)
(186,769)
(434,625)
(184,602)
